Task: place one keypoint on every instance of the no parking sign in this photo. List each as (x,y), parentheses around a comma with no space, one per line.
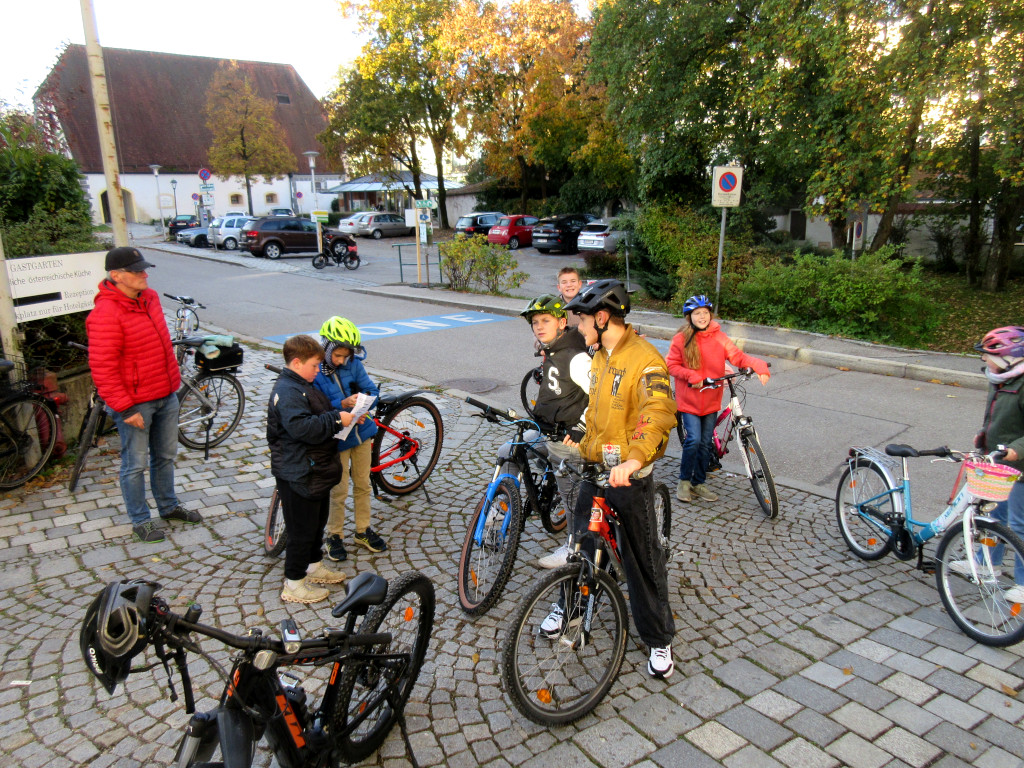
(727,186)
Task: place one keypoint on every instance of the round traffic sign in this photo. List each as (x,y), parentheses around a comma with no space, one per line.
(727,181)
(298,195)
(204,174)
(195,196)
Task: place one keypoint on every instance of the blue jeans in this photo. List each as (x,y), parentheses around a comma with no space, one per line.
(156,444)
(697,446)
(1011,512)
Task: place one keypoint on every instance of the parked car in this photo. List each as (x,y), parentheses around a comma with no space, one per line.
(197,237)
(180,222)
(280,212)
(512,231)
(477,223)
(559,233)
(600,235)
(350,223)
(377,225)
(225,231)
(272,236)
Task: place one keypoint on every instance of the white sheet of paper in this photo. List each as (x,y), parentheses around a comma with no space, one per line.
(363,404)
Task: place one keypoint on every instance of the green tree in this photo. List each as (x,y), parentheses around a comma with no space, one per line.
(247,140)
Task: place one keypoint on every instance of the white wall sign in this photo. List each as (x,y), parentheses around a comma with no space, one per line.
(727,186)
(47,286)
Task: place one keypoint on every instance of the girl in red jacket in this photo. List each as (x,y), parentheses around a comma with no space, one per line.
(699,352)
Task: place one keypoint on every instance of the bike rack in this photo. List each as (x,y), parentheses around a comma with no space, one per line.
(426,253)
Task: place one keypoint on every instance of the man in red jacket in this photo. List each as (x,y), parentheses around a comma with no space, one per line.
(135,370)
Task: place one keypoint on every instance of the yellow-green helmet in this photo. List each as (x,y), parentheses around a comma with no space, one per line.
(547,304)
(341,331)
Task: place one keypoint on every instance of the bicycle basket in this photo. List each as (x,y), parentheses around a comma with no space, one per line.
(990,481)
(227,359)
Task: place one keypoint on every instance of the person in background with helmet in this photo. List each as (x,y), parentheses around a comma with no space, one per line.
(342,377)
(1002,350)
(629,416)
(564,387)
(698,352)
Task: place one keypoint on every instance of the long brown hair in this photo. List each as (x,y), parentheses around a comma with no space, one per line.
(691,350)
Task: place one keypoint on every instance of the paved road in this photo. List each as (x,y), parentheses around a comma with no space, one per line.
(790,651)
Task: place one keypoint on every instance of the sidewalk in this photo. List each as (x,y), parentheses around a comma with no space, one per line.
(381,279)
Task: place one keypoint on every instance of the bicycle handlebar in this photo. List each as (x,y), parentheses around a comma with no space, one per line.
(188,301)
(493,414)
(273,368)
(904,451)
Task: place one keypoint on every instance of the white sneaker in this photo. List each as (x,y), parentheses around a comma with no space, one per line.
(552,625)
(324,575)
(963,568)
(556,559)
(300,592)
(660,663)
(1015,594)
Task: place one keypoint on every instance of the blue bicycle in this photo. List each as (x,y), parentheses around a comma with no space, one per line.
(873,508)
(518,486)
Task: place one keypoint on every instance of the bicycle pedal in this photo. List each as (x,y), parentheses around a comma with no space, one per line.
(927,567)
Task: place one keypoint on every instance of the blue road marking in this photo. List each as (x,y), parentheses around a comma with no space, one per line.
(374,331)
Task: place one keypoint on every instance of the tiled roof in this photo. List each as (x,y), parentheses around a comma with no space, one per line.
(158,102)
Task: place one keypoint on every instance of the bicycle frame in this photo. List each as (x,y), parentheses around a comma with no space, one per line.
(519,457)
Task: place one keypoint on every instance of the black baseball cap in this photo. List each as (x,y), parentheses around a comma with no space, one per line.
(126,258)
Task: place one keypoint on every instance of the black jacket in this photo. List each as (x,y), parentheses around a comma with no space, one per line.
(561,401)
(300,431)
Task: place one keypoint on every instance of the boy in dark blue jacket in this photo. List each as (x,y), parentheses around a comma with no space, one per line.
(342,377)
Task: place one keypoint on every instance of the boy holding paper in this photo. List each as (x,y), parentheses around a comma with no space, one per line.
(342,378)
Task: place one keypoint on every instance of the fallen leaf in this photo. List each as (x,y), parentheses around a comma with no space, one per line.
(476,658)
(847,670)
(259,610)
(843,368)
(950,395)
(934,381)
(155,559)
(1008,690)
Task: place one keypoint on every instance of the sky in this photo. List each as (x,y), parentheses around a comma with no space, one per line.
(311,35)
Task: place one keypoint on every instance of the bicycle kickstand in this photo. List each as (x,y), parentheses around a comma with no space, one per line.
(925,566)
(405,737)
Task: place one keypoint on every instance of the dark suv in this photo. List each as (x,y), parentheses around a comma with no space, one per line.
(272,236)
(180,222)
(559,233)
(476,223)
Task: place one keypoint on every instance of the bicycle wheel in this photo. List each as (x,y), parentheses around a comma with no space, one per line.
(529,390)
(320,261)
(864,529)
(275,535)
(366,709)
(28,431)
(555,514)
(980,608)
(189,321)
(86,441)
(720,442)
(351,261)
(556,680)
(761,479)
(484,568)
(214,399)
(663,513)
(418,424)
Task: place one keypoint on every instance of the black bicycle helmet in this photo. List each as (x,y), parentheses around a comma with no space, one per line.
(609,295)
(116,629)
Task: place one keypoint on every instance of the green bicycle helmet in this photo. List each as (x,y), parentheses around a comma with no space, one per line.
(341,331)
(545,305)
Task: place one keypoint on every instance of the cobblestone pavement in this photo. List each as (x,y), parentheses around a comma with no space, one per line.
(789,650)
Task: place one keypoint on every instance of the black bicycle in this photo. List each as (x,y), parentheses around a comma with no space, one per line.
(28,428)
(358,680)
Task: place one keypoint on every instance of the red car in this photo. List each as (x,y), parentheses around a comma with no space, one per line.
(512,231)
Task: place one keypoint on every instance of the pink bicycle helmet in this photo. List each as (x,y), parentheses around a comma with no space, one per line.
(1007,341)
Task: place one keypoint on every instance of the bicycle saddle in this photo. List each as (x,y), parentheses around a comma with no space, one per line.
(393,398)
(364,590)
(901,450)
(5,366)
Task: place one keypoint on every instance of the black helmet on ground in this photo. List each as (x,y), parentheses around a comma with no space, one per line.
(116,629)
(609,295)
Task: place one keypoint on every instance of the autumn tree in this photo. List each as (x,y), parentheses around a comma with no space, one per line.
(519,65)
(412,84)
(247,140)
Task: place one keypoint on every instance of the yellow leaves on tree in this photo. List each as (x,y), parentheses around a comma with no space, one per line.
(247,140)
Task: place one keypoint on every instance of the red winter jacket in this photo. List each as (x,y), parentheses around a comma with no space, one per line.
(130,351)
(715,349)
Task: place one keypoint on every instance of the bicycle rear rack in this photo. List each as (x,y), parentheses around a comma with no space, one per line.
(891,463)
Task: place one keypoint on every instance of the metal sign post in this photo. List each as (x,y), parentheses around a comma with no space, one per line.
(726,188)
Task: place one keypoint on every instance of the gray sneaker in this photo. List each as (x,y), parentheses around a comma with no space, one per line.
(148,532)
(184,515)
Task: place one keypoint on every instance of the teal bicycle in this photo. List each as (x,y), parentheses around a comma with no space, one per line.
(873,508)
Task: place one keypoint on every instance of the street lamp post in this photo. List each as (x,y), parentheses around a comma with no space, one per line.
(159,203)
(174,189)
(312,154)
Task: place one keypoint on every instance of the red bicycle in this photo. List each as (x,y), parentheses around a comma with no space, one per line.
(404,453)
